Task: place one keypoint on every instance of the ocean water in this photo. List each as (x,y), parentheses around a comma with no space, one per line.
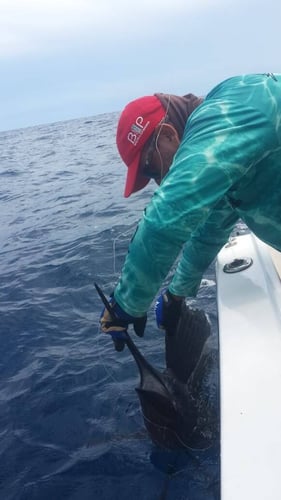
(70,420)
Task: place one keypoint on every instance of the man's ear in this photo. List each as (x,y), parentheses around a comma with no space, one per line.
(167,131)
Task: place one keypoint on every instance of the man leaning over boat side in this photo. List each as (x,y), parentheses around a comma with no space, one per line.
(215,160)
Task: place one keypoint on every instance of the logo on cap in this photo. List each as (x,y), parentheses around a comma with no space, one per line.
(137,129)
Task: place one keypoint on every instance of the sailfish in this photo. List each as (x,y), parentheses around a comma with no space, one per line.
(170,407)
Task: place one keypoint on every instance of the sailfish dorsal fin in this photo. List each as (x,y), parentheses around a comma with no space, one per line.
(184,348)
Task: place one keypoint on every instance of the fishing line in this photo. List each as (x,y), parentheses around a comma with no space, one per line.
(124,234)
(164,428)
(169,476)
(109,374)
(157,137)
(173,473)
(127,232)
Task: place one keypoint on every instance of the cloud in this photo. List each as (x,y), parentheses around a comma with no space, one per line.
(70,58)
(39,26)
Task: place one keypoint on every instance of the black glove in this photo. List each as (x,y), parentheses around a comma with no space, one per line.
(167,312)
(116,323)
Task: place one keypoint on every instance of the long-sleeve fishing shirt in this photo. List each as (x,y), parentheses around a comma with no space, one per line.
(227,167)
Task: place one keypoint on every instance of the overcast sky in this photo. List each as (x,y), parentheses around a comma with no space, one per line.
(64,59)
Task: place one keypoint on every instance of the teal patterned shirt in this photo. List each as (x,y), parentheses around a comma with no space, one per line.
(228,166)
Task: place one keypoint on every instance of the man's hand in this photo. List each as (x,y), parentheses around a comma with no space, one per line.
(116,323)
(167,311)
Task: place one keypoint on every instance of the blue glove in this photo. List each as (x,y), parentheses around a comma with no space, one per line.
(117,323)
(167,312)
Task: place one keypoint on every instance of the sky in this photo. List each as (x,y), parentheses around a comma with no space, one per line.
(67,59)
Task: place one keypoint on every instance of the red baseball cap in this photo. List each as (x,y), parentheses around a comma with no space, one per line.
(136,124)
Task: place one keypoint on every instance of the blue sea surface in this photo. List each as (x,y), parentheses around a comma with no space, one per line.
(70,420)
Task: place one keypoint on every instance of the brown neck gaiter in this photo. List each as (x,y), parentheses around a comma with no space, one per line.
(179,108)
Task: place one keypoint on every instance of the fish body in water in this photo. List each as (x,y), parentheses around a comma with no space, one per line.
(168,399)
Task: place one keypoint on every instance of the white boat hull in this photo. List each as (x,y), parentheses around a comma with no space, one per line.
(249,312)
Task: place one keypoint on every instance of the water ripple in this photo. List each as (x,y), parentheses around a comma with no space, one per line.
(70,421)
